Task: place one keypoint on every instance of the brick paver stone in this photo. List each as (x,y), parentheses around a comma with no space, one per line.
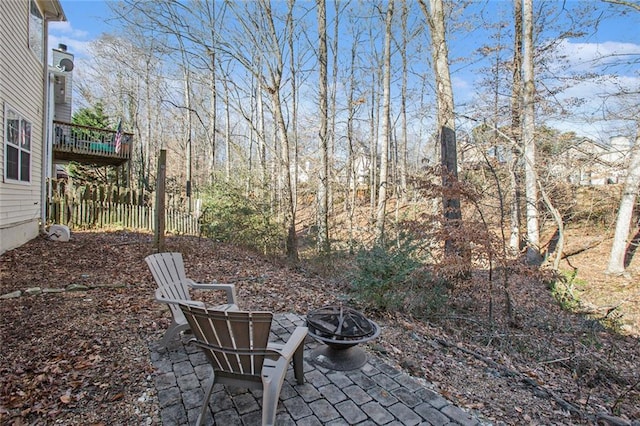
(387,369)
(377,412)
(362,380)
(245,403)
(316,378)
(385,381)
(409,398)
(351,412)
(309,421)
(188,382)
(432,398)
(192,398)
(339,379)
(369,369)
(332,393)
(169,396)
(220,401)
(408,382)
(173,414)
(431,414)
(383,396)
(405,414)
(227,418)
(357,394)
(203,372)
(324,410)
(165,380)
(459,415)
(183,368)
(308,392)
(297,407)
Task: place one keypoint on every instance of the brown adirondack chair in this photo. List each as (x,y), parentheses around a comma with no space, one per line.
(237,346)
(173,288)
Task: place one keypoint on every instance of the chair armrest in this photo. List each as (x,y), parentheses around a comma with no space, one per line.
(160,298)
(294,341)
(230,289)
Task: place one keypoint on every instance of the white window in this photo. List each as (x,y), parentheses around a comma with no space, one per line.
(17,147)
(36,31)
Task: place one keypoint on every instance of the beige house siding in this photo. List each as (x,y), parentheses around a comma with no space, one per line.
(22,89)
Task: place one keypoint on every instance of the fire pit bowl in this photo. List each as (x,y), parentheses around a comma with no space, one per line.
(341,329)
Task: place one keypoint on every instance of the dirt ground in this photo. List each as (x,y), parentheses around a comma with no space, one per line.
(81,356)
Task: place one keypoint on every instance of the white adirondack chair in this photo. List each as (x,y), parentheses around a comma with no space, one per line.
(173,288)
(237,346)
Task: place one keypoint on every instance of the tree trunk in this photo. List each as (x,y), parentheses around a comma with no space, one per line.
(213,108)
(402,149)
(625,212)
(446,119)
(323,197)
(516,133)
(528,136)
(385,134)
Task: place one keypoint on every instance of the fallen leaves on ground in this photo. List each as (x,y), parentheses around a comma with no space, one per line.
(81,357)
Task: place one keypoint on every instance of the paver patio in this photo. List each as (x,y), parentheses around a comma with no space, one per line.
(376,394)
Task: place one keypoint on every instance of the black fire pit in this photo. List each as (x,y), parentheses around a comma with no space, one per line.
(341,329)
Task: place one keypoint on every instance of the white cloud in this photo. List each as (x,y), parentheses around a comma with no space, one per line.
(66,29)
(587,56)
(76,40)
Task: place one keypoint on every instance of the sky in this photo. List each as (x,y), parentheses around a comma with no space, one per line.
(86,22)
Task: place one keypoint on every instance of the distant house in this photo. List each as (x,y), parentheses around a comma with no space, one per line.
(591,163)
(24,124)
(583,162)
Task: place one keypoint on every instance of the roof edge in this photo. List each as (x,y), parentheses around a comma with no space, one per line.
(52,10)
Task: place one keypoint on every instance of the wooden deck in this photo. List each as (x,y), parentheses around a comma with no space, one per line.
(84,144)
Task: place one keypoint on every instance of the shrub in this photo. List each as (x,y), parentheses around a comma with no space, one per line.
(391,276)
(230,216)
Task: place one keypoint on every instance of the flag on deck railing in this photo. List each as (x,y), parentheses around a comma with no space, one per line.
(119,137)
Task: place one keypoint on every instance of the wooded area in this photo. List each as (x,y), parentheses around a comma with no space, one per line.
(465,173)
(324,105)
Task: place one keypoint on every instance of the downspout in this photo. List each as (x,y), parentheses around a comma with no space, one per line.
(47,121)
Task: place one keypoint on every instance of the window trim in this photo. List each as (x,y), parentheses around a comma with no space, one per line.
(22,123)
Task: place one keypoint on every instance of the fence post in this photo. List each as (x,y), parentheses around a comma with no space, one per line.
(160,195)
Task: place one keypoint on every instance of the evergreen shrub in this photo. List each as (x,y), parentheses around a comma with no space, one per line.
(230,216)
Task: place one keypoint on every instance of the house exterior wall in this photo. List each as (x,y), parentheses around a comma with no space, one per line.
(22,88)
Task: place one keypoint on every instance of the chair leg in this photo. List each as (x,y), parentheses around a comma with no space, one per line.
(173,329)
(298,364)
(270,396)
(205,402)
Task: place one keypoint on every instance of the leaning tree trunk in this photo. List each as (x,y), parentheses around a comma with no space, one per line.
(625,213)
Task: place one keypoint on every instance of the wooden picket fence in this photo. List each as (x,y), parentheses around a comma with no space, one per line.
(98,206)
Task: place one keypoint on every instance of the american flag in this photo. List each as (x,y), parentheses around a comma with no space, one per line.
(119,137)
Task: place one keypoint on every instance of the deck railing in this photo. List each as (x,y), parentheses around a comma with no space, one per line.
(91,141)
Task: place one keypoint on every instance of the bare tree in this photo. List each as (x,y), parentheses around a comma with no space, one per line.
(516,129)
(385,133)
(435,15)
(323,182)
(528,137)
(625,212)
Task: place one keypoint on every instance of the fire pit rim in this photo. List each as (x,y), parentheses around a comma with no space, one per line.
(343,343)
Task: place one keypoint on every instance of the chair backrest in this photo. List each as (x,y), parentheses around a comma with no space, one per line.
(168,271)
(234,341)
